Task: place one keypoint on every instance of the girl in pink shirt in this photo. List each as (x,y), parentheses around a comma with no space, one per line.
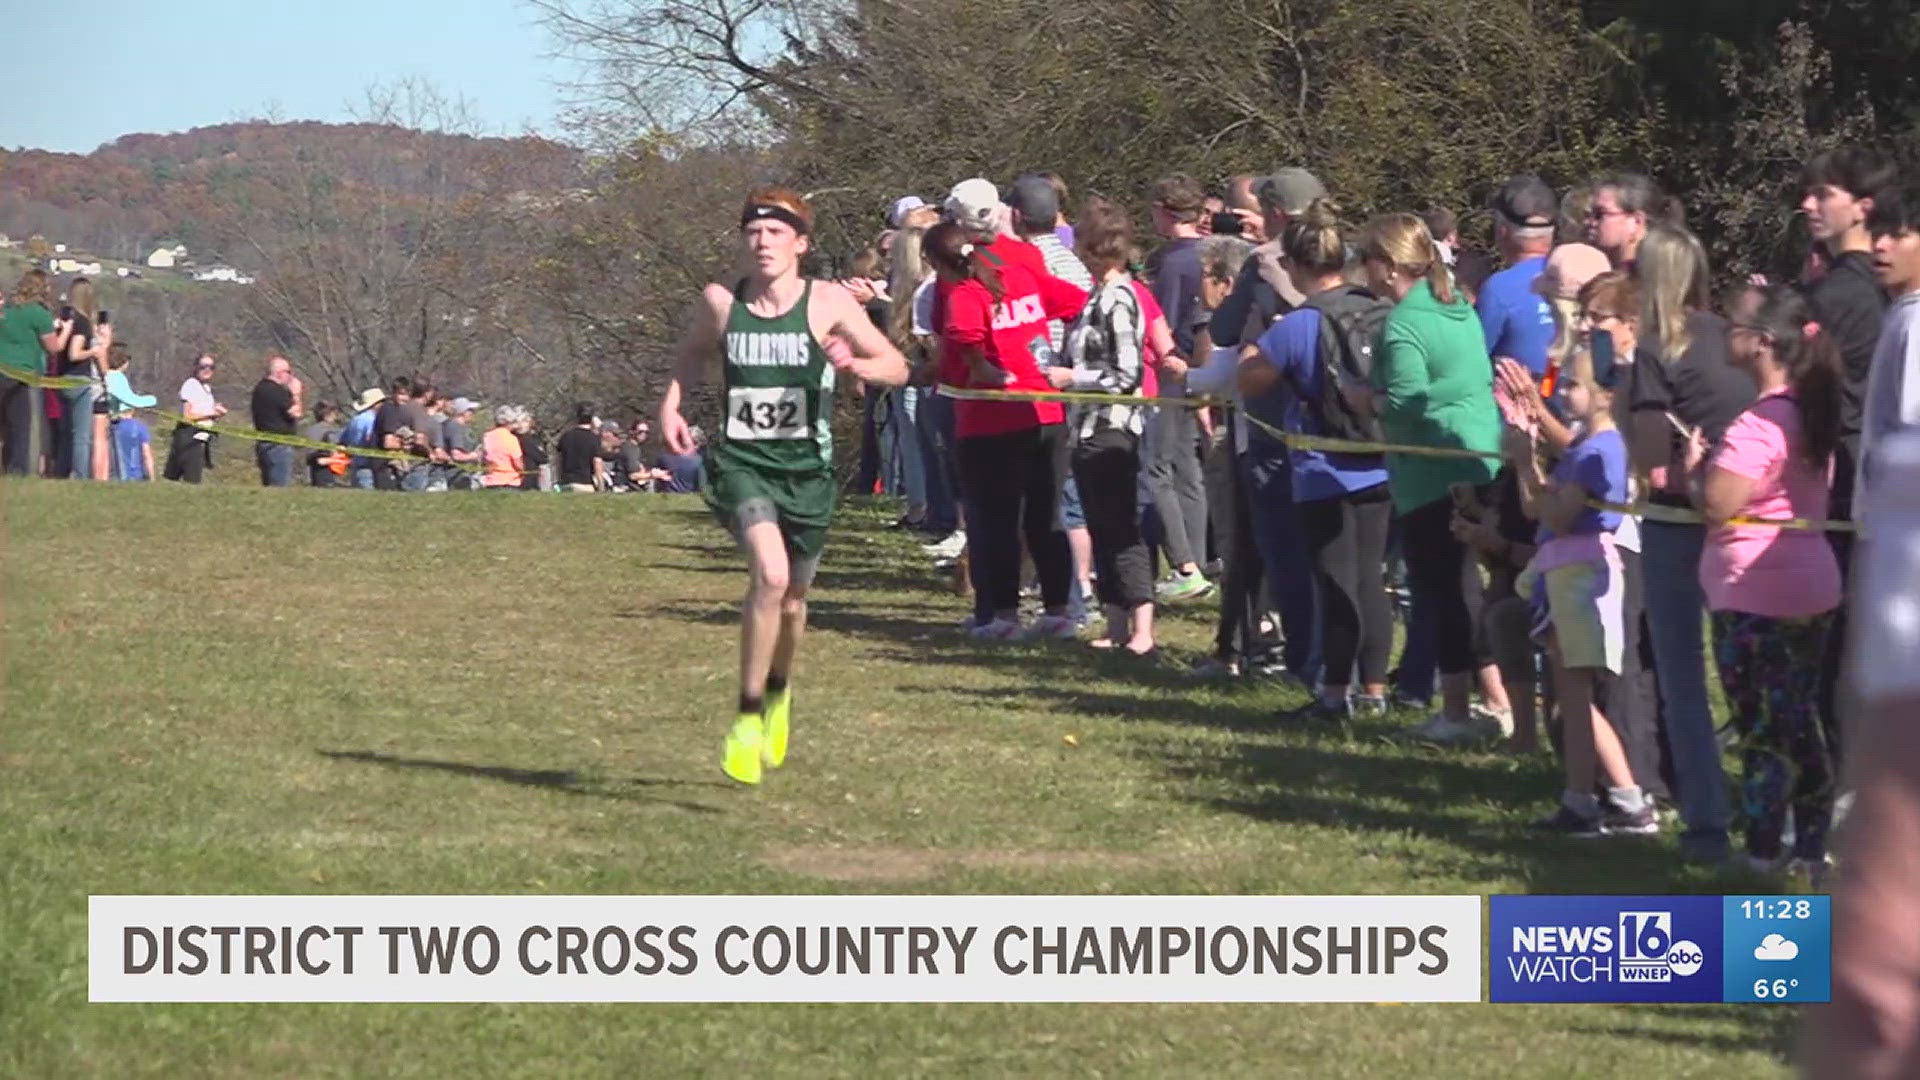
(1773,591)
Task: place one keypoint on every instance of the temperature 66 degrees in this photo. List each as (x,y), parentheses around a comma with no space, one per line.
(1775,988)
(1776,909)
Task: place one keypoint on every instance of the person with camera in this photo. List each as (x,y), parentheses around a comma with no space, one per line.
(84,407)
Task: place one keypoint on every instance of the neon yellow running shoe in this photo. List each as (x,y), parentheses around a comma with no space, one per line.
(744,742)
(779,710)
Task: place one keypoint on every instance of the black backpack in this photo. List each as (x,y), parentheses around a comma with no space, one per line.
(1351,319)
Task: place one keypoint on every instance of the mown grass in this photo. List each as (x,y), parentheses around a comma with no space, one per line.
(230,690)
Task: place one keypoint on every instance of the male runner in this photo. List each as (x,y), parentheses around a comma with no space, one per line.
(780,338)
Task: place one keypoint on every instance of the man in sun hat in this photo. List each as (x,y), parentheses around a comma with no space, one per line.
(359,433)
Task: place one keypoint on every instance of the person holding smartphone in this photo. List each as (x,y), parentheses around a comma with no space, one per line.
(85,358)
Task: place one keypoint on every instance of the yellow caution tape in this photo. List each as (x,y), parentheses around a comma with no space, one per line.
(46,382)
(1298,441)
(74,382)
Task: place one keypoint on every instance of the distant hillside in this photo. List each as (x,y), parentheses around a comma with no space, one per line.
(126,197)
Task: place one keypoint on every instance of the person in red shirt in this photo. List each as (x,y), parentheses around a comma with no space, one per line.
(1012,454)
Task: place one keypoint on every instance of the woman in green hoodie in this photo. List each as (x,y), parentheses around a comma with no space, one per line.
(1432,385)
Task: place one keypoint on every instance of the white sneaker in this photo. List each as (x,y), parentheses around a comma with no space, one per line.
(948,547)
(997,630)
(1842,806)
(1494,722)
(1051,628)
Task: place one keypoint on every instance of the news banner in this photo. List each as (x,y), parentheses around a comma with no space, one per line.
(1616,949)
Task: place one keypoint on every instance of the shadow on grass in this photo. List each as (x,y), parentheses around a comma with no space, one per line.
(1769,1029)
(562,780)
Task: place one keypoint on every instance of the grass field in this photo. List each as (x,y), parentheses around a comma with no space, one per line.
(229,690)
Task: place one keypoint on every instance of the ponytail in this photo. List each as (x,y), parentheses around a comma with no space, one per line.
(1440,279)
(1312,241)
(947,247)
(1817,386)
(1812,361)
(1403,242)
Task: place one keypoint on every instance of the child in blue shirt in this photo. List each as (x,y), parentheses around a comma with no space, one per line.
(132,442)
(1577,572)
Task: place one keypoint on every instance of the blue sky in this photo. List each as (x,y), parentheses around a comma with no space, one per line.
(114,67)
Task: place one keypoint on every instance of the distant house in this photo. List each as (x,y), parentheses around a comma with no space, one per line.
(164,258)
(59,249)
(222,273)
(65,265)
(8,241)
(91,269)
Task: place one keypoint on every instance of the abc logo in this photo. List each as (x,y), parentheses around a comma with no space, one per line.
(1685,958)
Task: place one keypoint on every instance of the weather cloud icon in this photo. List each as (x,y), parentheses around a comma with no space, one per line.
(1775,947)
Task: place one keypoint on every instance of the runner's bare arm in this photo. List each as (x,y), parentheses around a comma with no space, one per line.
(868,354)
(697,350)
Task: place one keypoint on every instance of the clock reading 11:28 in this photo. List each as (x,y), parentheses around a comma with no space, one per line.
(1779,908)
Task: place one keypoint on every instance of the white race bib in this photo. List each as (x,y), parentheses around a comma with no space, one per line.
(768,412)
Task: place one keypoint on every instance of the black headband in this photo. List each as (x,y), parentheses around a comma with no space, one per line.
(769,211)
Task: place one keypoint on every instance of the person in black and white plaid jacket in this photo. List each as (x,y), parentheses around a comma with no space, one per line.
(1106,350)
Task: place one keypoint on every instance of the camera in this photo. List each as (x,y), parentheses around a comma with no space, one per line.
(1226,223)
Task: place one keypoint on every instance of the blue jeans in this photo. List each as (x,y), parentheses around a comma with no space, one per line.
(933,427)
(363,477)
(1285,560)
(416,478)
(1676,613)
(78,405)
(905,436)
(276,464)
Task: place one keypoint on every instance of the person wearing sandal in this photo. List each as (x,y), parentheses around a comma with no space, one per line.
(1106,352)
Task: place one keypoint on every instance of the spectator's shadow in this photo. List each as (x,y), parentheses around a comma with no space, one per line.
(566,781)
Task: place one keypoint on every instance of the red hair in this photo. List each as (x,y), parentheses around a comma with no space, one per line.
(783,197)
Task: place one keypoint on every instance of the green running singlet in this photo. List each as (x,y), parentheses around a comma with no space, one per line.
(773,459)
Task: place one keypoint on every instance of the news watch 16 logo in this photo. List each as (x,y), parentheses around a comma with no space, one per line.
(1605,948)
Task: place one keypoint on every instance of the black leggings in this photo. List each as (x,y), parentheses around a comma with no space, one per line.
(18,412)
(1106,466)
(1438,574)
(1348,539)
(1013,487)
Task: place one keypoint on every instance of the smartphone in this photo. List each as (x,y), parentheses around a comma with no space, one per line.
(1227,223)
(103,317)
(66,312)
(1601,347)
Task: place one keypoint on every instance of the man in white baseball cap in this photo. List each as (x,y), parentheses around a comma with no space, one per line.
(975,206)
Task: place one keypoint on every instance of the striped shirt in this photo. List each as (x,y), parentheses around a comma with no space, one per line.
(1107,350)
(1066,266)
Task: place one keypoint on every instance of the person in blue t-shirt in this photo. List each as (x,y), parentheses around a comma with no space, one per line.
(132,449)
(358,434)
(1340,500)
(1577,577)
(1516,318)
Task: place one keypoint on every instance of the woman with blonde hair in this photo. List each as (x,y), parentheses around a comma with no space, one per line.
(929,502)
(1684,384)
(85,358)
(1430,387)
